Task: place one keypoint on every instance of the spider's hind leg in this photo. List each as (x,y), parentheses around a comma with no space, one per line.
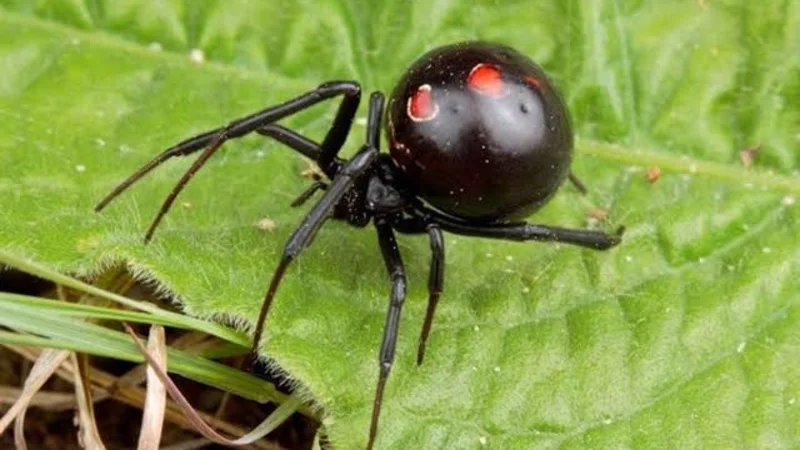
(596,240)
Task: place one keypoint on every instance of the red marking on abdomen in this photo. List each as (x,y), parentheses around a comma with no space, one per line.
(421,106)
(487,80)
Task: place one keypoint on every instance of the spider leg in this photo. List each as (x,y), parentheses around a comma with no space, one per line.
(305,233)
(577,183)
(394,265)
(435,285)
(292,139)
(305,146)
(597,240)
(308,228)
(214,139)
(302,144)
(305,195)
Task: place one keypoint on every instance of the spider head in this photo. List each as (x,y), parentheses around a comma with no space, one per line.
(383,198)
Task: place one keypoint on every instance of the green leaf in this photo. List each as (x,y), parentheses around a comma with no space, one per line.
(685,336)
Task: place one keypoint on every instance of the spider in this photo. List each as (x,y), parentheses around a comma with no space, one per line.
(479,139)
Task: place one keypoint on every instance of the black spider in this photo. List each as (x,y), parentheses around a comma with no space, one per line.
(479,139)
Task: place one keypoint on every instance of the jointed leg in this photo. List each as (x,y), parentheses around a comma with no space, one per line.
(305,195)
(318,152)
(435,285)
(212,140)
(394,265)
(304,234)
(293,140)
(305,146)
(577,183)
(597,240)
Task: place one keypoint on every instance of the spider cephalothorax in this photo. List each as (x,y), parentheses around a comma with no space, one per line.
(479,138)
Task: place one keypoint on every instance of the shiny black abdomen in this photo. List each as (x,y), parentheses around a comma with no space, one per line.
(479,132)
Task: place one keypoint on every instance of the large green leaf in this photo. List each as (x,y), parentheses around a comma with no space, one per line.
(685,336)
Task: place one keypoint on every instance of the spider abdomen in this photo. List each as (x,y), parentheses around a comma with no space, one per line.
(478,131)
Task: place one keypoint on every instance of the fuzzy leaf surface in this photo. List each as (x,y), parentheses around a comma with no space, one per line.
(685,336)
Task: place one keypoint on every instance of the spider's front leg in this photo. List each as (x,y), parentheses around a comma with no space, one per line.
(344,179)
(211,141)
(305,232)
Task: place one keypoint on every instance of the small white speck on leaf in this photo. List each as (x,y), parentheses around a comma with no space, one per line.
(80,168)
(766,250)
(526,290)
(489,255)
(509,258)
(260,154)
(740,347)
(629,258)
(497,369)
(789,200)
(155,47)
(197,55)
(266,224)
(692,168)
(100,142)
(186,204)
(476,328)
(483,440)
(361,121)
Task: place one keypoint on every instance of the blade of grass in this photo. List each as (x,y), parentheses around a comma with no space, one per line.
(76,335)
(57,307)
(156,400)
(278,416)
(185,321)
(44,367)
(135,396)
(87,424)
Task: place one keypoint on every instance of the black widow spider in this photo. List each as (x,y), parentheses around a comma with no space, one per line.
(479,139)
